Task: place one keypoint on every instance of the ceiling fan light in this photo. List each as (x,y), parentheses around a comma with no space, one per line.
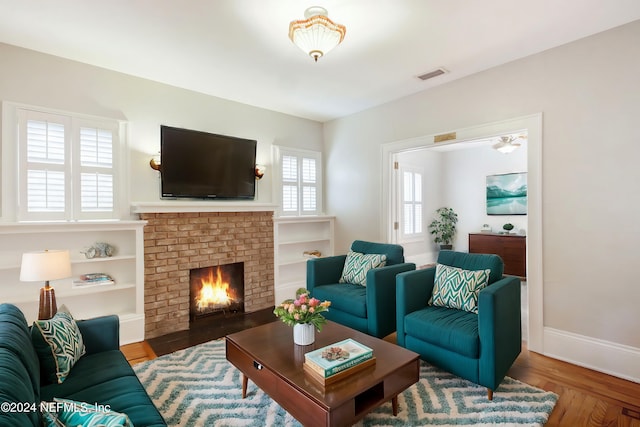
(507,144)
(317,34)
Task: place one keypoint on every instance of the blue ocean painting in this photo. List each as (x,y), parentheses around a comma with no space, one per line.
(507,194)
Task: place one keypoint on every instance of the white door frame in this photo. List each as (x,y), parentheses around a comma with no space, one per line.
(535,277)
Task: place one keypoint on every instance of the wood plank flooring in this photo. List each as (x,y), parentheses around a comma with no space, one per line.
(587,397)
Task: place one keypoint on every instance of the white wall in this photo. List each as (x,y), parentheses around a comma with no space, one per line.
(457,178)
(589,95)
(37,79)
(465,173)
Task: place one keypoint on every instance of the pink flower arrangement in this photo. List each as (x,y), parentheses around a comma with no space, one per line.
(303,309)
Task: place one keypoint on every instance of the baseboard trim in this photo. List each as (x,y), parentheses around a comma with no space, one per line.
(131,328)
(603,356)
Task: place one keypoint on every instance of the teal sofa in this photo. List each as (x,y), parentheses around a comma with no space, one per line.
(101,376)
(370,309)
(479,347)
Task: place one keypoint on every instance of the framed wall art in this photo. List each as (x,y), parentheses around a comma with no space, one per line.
(507,194)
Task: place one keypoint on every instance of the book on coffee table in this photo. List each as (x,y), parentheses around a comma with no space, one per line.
(335,358)
(325,381)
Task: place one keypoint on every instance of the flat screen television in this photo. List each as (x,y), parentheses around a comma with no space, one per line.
(201,165)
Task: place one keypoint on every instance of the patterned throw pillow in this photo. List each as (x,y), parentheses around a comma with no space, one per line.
(64,412)
(457,288)
(59,345)
(357,264)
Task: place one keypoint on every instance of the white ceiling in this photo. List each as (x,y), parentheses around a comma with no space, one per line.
(239,49)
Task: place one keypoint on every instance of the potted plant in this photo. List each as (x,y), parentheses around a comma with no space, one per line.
(507,228)
(304,314)
(444,227)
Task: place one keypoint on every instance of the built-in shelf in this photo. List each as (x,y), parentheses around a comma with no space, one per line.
(125,298)
(292,237)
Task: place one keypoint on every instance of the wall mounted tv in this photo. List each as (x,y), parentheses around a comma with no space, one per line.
(201,165)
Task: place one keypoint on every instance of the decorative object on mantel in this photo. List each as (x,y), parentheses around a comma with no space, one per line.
(443,227)
(486,228)
(304,314)
(99,250)
(507,227)
(316,34)
(45,266)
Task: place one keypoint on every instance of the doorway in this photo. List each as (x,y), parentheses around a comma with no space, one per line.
(475,137)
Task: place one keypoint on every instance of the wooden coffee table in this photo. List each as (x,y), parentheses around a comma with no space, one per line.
(267,356)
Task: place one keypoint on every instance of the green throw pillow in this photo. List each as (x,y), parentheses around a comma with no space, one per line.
(356,266)
(457,288)
(64,412)
(59,345)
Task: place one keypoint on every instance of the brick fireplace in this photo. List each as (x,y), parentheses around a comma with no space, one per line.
(177,242)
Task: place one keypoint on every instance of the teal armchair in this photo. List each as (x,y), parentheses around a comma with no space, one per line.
(478,347)
(370,309)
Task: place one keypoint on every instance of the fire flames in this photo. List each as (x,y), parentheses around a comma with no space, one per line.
(214,292)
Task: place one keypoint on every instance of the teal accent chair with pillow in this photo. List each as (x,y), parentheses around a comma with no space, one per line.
(360,286)
(462,316)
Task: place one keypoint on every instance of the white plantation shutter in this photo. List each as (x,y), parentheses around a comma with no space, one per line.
(300,186)
(412,222)
(43,178)
(290,198)
(45,191)
(289,169)
(309,195)
(66,166)
(289,184)
(96,165)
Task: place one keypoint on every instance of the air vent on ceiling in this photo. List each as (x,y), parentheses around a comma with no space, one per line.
(431,74)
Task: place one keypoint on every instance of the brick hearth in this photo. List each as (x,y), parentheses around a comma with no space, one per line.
(174,243)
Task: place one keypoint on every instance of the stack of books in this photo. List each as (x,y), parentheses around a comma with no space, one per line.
(94,279)
(337,361)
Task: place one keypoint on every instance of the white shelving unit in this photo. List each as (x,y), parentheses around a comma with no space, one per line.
(293,236)
(124,298)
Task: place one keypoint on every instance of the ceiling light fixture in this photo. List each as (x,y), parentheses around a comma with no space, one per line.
(316,34)
(508,144)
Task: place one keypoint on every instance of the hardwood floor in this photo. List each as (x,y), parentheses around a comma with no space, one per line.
(138,352)
(587,397)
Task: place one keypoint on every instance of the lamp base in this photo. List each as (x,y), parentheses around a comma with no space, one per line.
(48,307)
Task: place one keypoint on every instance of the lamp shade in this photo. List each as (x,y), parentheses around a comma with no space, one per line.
(45,266)
(316,34)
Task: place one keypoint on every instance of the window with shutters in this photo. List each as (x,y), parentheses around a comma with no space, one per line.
(412,221)
(299,181)
(67,166)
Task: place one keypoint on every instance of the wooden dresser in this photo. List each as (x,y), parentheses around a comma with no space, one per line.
(512,248)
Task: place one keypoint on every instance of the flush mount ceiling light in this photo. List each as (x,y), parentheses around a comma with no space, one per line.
(508,144)
(316,34)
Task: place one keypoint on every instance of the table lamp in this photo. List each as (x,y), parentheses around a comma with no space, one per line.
(45,266)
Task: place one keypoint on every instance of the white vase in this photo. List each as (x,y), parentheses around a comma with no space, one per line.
(304,333)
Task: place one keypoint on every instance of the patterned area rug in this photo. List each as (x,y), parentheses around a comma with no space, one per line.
(198,387)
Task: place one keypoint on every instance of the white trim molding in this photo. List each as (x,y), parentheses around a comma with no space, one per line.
(604,356)
(174,206)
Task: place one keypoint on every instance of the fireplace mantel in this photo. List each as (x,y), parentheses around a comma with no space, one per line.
(173,206)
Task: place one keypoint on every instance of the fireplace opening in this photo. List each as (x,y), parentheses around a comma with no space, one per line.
(216,290)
